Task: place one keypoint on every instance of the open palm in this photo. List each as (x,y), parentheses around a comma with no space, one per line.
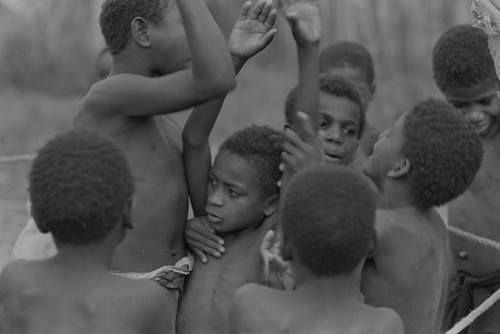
(253,30)
(304,19)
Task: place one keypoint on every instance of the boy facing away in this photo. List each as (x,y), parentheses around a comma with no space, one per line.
(327,216)
(242,198)
(152,42)
(428,157)
(81,189)
(465,73)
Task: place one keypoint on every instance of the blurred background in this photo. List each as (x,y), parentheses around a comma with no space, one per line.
(48,51)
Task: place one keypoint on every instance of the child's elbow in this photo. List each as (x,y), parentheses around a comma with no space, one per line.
(226,82)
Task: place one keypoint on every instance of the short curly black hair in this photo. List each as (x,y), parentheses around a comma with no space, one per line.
(117,15)
(333,85)
(79,186)
(461,58)
(328,216)
(444,152)
(261,146)
(350,54)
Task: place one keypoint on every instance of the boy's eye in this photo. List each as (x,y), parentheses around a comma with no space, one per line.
(211,181)
(322,124)
(350,131)
(233,193)
(459,105)
(487,101)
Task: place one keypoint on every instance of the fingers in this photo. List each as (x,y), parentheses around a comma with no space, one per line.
(266,39)
(245,10)
(199,254)
(265,11)
(254,14)
(268,241)
(201,247)
(271,19)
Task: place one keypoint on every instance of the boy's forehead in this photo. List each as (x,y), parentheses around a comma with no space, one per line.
(233,167)
(474,92)
(338,106)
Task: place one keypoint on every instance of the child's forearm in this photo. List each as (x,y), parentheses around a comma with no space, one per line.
(211,63)
(308,87)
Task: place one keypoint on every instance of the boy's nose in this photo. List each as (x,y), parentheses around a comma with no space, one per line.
(215,198)
(334,136)
(474,115)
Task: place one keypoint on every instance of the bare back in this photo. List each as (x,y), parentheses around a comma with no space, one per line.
(258,309)
(154,150)
(408,271)
(38,297)
(210,288)
(478,211)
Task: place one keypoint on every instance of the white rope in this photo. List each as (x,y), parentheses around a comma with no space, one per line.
(17,158)
(466,321)
(470,236)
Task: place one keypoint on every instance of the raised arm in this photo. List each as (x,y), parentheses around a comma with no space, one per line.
(211,74)
(252,32)
(304,19)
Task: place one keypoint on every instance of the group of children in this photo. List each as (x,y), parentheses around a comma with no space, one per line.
(357,245)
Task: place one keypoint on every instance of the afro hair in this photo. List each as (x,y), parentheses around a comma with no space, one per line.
(328,216)
(261,146)
(461,58)
(332,85)
(444,151)
(117,15)
(79,185)
(349,54)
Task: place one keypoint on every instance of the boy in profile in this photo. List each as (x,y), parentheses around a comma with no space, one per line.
(327,216)
(429,157)
(152,42)
(81,189)
(242,199)
(354,63)
(464,71)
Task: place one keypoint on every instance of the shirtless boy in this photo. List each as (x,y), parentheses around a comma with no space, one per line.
(242,198)
(327,215)
(428,157)
(464,72)
(353,62)
(81,191)
(152,43)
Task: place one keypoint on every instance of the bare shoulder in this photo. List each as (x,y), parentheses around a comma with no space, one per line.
(249,311)
(387,322)
(13,274)
(145,301)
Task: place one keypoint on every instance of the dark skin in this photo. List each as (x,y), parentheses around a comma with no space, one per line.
(305,25)
(148,79)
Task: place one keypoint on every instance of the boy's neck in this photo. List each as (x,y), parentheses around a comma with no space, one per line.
(345,286)
(95,256)
(125,62)
(393,195)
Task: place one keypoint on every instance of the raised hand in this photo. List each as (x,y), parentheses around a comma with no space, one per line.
(487,16)
(304,18)
(253,30)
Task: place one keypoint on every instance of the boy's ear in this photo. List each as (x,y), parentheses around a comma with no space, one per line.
(40,227)
(271,205)
(139,29)
(400,169)
(373,88)
(127,214)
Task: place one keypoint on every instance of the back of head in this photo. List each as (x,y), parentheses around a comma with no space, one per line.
(261,146)
(444,151)
(116,17)
(332,85)
(328,214)
(461,58)
(348,54)
(79,185)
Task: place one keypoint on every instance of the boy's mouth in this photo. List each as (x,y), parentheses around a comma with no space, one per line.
(213,218)
(333,157)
